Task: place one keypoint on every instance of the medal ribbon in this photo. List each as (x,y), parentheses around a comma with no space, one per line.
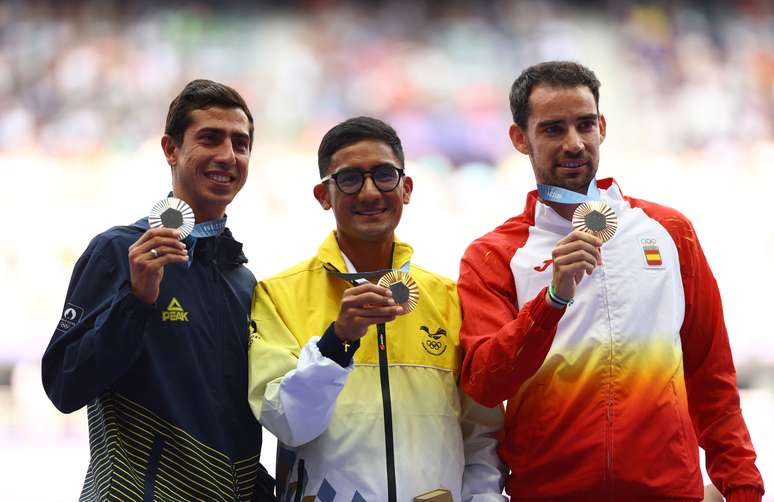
(563,196)
(209,228)
(359,277)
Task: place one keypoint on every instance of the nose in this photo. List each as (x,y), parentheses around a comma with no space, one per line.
(369,190)
(573,142)
(225,153)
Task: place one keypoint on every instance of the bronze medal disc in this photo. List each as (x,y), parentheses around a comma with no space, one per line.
(172,213)
(405,291)
(595,218)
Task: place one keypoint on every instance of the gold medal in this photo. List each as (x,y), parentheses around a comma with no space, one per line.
(172,213)
(405,291)
(595,218)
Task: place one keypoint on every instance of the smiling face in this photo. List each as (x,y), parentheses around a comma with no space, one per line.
(209,167)
(369,215)
(563,134)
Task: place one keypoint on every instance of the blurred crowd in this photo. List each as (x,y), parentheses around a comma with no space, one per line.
(85,77)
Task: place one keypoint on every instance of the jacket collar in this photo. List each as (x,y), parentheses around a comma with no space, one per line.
(329,253)
(229,250)
(543,216)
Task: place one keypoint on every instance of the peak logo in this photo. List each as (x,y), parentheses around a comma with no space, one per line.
(174,312)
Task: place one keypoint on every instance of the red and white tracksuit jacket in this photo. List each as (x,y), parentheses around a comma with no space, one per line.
(610,398)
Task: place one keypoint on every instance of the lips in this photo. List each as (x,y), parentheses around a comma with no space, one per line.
(219,177)
(370,212)
(575,164)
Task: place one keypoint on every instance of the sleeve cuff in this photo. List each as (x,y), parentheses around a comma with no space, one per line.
(331,347)
(544,315)
(744,495)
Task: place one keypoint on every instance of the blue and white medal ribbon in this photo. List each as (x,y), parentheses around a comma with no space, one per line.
(561,195)
(209,228)
(592,216)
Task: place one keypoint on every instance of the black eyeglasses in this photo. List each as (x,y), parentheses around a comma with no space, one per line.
(350,180)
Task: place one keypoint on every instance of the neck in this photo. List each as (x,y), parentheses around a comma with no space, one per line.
(564,210)
(201,217)
(366,256)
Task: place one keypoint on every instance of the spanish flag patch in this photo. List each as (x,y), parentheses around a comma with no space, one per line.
(651,251)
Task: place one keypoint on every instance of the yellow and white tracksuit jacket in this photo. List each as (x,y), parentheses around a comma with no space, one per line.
(330,419)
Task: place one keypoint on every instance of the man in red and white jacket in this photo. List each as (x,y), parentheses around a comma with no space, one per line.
(613,356)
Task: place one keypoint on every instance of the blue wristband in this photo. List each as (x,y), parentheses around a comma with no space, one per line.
(558,299)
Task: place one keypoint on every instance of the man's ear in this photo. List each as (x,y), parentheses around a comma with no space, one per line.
(408,187)
(321,194)
(602,127)
(170,149)
(519,139)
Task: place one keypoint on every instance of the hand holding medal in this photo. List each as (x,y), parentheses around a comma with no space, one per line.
(593,223)
(364,305)
(170,220)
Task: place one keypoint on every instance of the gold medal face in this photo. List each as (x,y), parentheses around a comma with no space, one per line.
(405,291)
(595,218)
(172,213)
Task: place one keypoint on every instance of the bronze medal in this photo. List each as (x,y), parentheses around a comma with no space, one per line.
(172,213)
(595,218)
(405,291)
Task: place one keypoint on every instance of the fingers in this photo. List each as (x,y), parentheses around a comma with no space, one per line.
(163,240)
(363,306)
(157,232)
(573,257)
(148,256)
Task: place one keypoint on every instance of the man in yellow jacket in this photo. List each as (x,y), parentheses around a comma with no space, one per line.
(359,381)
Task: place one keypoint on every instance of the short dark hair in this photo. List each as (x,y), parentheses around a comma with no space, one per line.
(352,131)
(552,74)
(198,95)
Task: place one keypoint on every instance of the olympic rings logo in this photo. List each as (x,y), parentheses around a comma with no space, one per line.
(434,347)
(648,242)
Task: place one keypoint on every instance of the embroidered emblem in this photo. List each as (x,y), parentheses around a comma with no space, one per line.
(651,252)
(70,317)
(174,312)
(252,332)
(434,343)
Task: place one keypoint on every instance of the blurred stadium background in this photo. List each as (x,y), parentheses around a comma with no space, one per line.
(687,89)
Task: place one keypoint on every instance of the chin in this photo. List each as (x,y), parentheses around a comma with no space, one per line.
(374,235)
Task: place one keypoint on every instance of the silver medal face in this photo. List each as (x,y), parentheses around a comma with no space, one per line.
(595,218)
(172,213)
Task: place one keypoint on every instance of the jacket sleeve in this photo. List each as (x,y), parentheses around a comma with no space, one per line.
(100,334)
(292,390)
(503,346)
(713,399)
(484,475)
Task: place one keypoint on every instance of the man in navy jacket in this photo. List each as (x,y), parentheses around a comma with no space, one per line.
(153,335)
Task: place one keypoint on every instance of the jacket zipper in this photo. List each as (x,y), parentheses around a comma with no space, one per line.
(299,481)
(609,404)
(384,377)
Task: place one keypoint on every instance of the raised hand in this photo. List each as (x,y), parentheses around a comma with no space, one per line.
(363,306)
(148,256)
(575,255)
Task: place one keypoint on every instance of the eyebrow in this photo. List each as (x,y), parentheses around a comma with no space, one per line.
(546,123)
(384,164)
(217,130)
